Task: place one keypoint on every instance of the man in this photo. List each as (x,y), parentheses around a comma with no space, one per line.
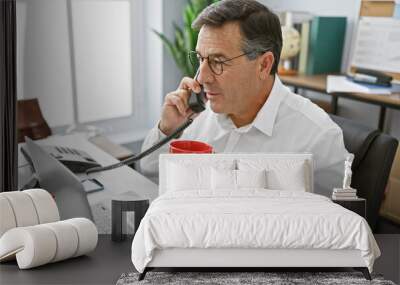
(248,108)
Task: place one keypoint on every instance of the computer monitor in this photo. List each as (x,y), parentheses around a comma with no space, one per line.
(57,179)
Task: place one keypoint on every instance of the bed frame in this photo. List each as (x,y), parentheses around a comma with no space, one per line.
(240,259)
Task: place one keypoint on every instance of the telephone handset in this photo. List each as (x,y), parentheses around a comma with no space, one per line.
(197,100)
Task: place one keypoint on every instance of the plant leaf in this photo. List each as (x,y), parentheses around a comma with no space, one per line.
(185,38)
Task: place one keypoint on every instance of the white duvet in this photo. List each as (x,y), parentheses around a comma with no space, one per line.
(252,218)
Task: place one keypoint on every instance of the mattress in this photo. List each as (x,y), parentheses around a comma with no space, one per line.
(250,219)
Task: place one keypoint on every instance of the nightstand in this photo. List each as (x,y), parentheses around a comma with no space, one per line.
(357,205)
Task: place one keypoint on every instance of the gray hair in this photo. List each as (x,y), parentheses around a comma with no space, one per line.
(259,26)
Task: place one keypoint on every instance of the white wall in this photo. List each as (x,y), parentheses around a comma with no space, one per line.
(162,75)
(102,58)
(44,63)
(46,71)
(153,59)
(172,75)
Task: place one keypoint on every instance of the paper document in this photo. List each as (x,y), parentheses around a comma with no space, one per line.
(377,44)
(337,83)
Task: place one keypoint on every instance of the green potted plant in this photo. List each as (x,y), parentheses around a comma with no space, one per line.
(185,37)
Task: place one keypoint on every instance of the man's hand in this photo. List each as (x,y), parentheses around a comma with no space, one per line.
(176,110)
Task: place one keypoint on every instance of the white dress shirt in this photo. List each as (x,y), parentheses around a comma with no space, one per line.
(287,122)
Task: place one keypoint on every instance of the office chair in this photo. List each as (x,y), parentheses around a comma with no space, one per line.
(373,152)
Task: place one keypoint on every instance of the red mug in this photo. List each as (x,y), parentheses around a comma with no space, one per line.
(187,146)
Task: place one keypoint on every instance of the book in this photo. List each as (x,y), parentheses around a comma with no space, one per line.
(345,194)
(304,42)
(344,198)
(326,41)
(341,190)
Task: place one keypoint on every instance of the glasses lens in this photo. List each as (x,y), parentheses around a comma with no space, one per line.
(215,65)
(194,59)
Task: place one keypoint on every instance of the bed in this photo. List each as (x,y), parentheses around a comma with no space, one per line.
(247,210)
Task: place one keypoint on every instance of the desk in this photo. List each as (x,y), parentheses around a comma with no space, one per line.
(318,83)
(116,181)
(117,151)
(110,259)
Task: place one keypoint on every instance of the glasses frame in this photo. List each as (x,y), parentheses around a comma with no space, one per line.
(221,63)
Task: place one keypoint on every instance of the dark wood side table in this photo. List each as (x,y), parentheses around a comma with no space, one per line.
(357,205)
(122,204)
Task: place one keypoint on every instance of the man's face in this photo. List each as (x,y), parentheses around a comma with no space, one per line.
(234,92)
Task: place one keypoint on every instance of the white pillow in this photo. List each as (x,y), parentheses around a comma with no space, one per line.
(237,179)
(188,175)
(183,177)
(223,179)
(292,179)
(282,174)
(251,178)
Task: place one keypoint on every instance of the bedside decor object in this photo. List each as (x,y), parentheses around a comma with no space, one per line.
(31,233)
(346,192)
(347,172)
(120,205)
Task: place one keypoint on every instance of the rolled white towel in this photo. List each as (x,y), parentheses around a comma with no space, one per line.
(87,234)
(26,208)
(23,209)
(32,246)
(46,207)
(67,240)
(40,244)
(7,218)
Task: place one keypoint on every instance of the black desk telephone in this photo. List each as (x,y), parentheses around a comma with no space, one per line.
(76,160)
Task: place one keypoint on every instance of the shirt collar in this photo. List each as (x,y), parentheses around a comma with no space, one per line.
(266,116)
(265,119)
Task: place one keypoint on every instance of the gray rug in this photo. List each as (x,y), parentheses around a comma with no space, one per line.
(229,278)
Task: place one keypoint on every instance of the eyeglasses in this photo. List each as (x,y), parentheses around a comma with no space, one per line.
(216,65)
